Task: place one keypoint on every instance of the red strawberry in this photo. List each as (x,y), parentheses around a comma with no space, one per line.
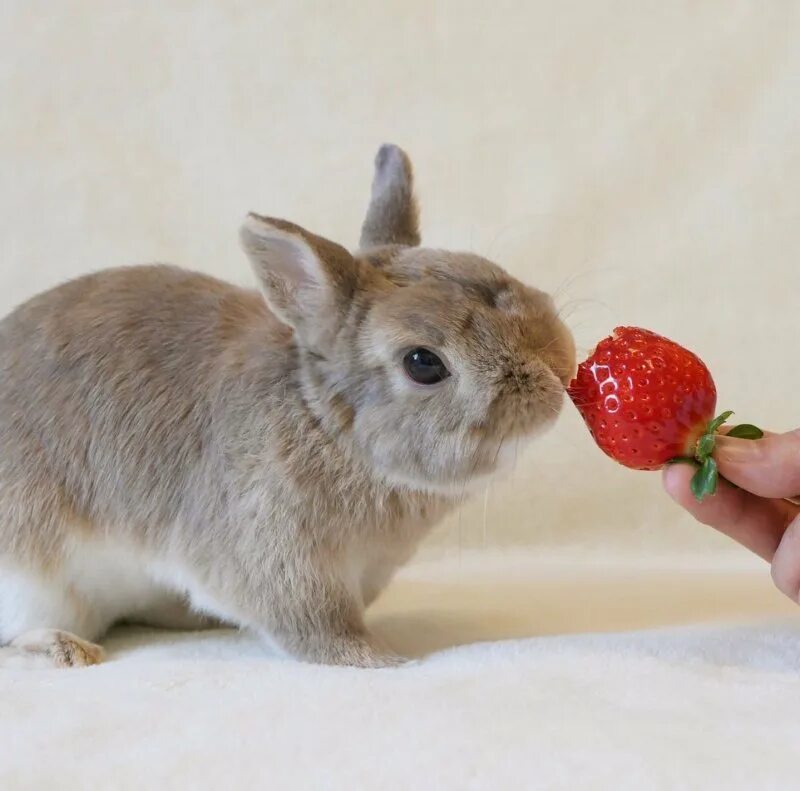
(648,401)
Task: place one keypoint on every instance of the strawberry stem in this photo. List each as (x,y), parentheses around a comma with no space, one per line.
(704,481)
(683,460)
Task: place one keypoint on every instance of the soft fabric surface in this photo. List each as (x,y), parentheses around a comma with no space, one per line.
(568,692)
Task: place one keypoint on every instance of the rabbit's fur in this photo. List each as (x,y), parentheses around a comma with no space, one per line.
(176,450)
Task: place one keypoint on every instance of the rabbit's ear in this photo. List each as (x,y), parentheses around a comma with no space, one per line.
(392,216)
(303,277)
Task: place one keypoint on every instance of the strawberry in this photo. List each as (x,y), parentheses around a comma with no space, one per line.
(648,402)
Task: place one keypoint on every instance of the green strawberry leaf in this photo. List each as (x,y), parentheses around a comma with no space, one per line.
(704,481)
(746,431)
(705,446)
(718,421)
(682,460)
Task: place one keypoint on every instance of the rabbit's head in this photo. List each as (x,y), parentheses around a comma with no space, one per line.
(429,363)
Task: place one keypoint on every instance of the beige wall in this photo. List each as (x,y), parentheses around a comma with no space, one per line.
(642,159)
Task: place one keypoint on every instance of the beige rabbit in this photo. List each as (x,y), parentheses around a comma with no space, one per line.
(174,449)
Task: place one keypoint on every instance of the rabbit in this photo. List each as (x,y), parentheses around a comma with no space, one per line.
(179,451)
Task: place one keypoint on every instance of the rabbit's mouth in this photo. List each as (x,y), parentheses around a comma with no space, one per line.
(491,457)
(560,355)
(527,402)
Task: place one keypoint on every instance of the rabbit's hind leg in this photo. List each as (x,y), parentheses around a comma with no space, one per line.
(41,616)
(62,648)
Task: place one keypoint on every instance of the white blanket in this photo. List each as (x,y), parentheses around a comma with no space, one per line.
(534,675)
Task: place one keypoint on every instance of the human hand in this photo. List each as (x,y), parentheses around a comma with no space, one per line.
(755,514)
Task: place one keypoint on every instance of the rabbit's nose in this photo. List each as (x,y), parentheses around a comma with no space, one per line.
(519,381)
(526,378)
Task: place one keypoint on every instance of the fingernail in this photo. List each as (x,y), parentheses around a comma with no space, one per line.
(738,451)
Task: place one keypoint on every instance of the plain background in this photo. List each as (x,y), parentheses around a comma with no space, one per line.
(639,159)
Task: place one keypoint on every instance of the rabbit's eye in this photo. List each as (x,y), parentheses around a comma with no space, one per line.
(424,367)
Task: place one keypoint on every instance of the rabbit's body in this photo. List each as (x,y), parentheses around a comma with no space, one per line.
(163,420)
(174,447)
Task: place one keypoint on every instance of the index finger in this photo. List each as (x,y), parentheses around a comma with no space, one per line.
(768,467)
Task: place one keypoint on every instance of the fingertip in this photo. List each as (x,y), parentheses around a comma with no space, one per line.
(715,510)
(675,479)
(757,524)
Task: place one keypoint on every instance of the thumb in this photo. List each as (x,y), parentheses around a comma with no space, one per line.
(768,467)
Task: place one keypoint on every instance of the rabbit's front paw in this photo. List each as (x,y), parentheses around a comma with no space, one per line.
(357,652)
